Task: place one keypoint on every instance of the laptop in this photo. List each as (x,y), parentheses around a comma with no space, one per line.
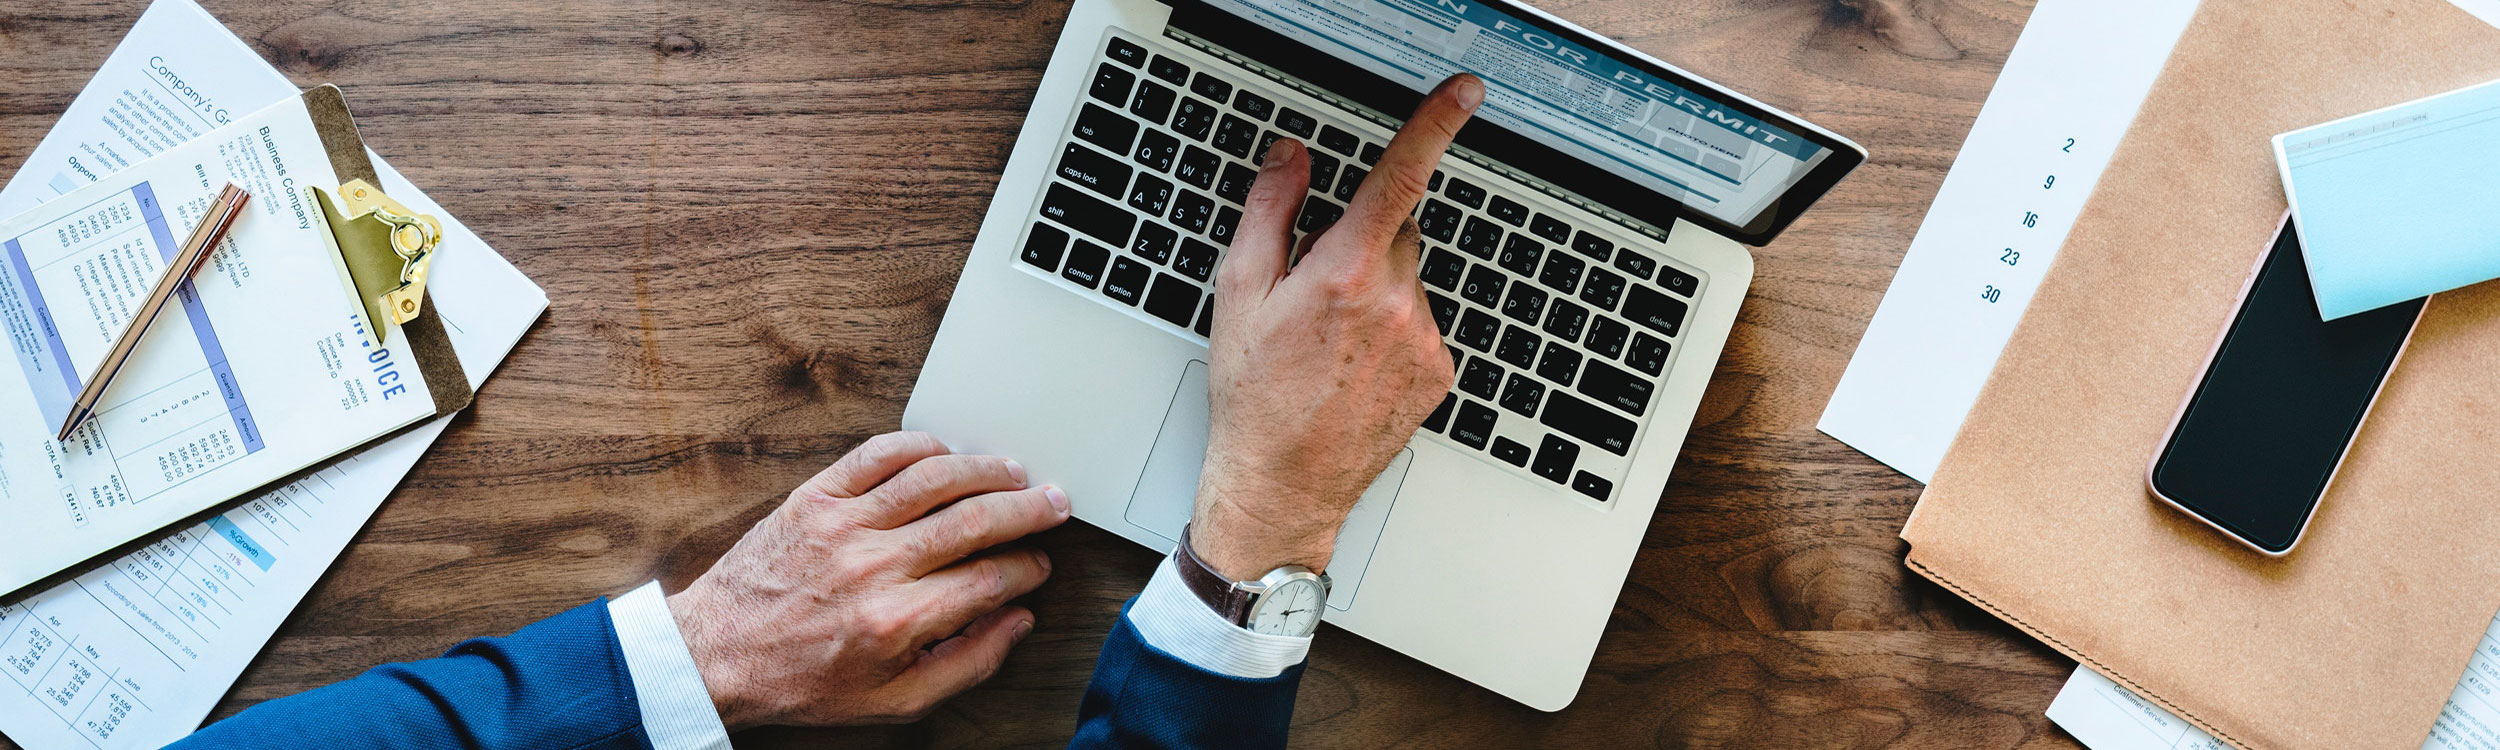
(1584,254)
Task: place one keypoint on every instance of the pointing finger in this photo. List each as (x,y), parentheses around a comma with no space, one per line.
(1404,173)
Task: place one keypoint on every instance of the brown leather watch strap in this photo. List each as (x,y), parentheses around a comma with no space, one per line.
(1228,601)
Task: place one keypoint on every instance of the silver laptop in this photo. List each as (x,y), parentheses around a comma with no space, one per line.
(1584,253)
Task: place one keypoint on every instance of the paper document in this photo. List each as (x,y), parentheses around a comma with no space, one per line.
(264,370)
(108,660)
(2393,205)
(2104,716)
(2059,108)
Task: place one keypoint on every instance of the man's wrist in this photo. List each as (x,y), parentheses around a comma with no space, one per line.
(736,712)
(1243,544)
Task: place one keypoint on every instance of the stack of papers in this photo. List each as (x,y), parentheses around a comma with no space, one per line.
(134,653)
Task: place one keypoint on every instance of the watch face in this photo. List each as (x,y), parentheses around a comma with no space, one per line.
(1293,609)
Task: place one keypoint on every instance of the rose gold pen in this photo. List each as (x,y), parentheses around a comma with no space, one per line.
(204,237)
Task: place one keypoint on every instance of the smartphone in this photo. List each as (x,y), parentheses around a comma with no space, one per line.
(2282,396)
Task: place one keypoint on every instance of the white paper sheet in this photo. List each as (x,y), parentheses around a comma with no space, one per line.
(2065,97)
(135,653)
(2104,716)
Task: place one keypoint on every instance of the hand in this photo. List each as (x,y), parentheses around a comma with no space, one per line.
(1320,371)
(859,601)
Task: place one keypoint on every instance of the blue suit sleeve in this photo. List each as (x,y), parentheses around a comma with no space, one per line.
(1142,697)
(560,683)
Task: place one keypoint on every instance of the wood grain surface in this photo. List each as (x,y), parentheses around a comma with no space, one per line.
(750,213)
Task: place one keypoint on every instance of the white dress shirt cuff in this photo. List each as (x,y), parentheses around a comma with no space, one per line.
(677,711)
(1176,621)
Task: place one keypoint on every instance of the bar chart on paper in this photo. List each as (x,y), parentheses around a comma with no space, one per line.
(2059,108)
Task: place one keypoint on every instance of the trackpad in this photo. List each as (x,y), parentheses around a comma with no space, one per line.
(1167,490)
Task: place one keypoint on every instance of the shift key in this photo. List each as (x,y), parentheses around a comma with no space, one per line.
(1084,213)
(1587,421)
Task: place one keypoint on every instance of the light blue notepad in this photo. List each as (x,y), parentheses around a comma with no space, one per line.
(2398,203)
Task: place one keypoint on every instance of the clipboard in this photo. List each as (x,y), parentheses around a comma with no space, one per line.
(362,227)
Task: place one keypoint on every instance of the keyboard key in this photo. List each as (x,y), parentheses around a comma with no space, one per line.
(1266,140)
(1198,167)
(1211,87)
(1565,320)
(1439,220)
(1301,125)
(1157,149)
(1659,312)
(1193,118)
(1168,69)
(1602,289)
(1440,418)
(1614,387)
(1193,211)
(1480,238)
(1206,315)
(1589,422)
(1677,281)
(1606,337)
(1475,329)
(1111,86)
(1509,211)
(1105,128)
(1443,268)
(1351,181)
(1092,169)
(1173,299)
(1372,153)
(1126,52)
(1562,273)
(1648,354)
(1593,246)
(1636,264)
(1518,347)
(1559,363)
(1466,193)
(1521,396)
(1323,171)
(1318,214)
(1455,358)
(1043,247)
(1256,106)
(1483,287)
(1510,451)
(1554,457)
(1235,136)
(1525,303)
(1338,140)
(1151,195)
(1473,425)
(1195,260)
(1480,378)
(1235,184)
(1226,219)
(1154,243)
(1127,280)
(1095,217)
(1550,228)
(1519,255)
(1592,485)
(1153,102)
(1435,185)
(1444,309)
(1085,263)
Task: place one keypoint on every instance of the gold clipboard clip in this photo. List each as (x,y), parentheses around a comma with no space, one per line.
(382,249)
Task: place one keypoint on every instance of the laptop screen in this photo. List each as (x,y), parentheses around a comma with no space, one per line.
(1717,159)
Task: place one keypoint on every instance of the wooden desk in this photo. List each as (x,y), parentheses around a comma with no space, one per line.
(750,213)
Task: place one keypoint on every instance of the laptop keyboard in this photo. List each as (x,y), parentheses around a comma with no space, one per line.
(1559,334)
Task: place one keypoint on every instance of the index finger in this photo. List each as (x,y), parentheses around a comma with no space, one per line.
(1404,173)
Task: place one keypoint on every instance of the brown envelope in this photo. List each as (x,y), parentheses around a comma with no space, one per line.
(2039,512)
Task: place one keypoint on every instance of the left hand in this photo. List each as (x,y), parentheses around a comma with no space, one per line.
(861,599)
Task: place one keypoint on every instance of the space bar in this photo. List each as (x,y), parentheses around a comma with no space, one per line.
(1588,421)
(1085,213)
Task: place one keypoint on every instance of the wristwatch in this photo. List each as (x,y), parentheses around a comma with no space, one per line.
(1286,601)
